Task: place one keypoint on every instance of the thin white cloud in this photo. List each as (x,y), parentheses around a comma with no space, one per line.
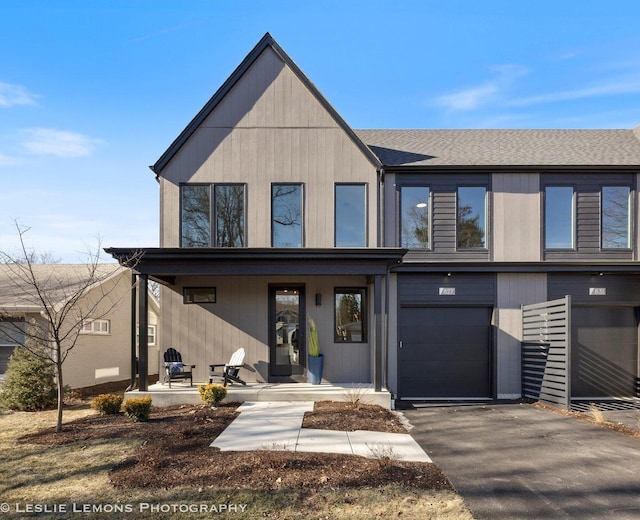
(11,95)
(613,86)
(6,160)
(61,143)
(487,92)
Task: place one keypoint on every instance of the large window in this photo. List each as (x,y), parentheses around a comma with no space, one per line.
(471,217)
(286,215)
(351,215)
(350,313)
(615,217)
(223,205)
(559,217)
(415,228)
(195,216)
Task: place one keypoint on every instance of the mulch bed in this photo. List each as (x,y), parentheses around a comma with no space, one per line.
(175,451)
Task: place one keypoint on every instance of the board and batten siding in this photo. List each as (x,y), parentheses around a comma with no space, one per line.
(513,291)
(270,128)
(210,333)
(517,217)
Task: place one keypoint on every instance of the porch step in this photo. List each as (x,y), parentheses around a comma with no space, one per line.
(180,393)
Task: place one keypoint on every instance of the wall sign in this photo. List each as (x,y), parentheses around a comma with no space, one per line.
(447,291)
(597,291)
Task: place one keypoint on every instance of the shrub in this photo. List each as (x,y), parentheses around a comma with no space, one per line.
(212,394)
(107,404)
(138,408)
(29,383)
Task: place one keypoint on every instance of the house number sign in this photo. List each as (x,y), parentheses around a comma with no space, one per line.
(597,291)
(447,291)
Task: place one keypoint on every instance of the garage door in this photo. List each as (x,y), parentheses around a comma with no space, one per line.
(604,353)
(445,352)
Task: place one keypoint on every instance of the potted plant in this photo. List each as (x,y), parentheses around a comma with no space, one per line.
(316,359)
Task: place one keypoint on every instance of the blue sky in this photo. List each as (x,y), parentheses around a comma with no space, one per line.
(92,92)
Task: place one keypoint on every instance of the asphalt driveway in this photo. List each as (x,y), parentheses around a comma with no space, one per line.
(512,461)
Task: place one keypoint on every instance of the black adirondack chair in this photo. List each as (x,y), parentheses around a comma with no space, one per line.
(175,369)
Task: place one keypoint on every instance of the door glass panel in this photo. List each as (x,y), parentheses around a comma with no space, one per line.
(287,345)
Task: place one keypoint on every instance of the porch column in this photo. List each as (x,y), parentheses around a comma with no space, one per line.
(143,332)
(377,316)
(134,329)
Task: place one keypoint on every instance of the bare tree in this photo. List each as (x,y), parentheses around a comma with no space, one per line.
(60,303)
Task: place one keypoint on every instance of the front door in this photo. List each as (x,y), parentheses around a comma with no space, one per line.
(287,352)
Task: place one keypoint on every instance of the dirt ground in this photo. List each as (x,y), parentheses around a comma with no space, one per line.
(174,451)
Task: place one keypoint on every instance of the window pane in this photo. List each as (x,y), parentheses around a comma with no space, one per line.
(414,219)
(349,315)
(615,217)
(229,215)
(471,217)
(351,221)
(558,217)
(286,211)
(195,224)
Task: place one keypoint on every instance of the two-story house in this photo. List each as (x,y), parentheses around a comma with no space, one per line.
(412,250)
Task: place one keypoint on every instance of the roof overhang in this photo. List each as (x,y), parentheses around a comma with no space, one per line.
(165,264)
(595,268)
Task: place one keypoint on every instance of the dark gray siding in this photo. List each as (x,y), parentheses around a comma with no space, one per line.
(470,289)
(587,226)
(620,289)
(443,189)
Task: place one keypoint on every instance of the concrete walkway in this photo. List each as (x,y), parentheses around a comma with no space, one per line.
(278,426)
(516,461)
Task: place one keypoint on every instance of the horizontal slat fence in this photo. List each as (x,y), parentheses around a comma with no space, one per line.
(546,352)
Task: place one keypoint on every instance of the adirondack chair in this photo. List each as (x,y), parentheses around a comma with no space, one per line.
(175,369)
(229,371)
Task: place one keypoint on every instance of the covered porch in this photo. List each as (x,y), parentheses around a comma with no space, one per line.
(238,314)
(178,394)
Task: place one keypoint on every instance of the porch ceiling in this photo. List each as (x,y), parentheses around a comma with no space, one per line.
(167,263)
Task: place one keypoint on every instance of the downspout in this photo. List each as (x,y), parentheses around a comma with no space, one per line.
(380,203)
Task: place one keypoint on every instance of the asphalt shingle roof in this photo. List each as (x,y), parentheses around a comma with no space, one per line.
(434,148)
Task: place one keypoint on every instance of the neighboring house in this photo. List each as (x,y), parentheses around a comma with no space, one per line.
(413,250)
(102,352)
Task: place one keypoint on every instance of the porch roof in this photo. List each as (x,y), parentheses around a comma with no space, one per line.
(167,263)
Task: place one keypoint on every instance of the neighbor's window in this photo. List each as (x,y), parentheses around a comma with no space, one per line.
(351,215)
(415,229)
(195,223)
(559,217)
(471,217)
(228,215)
(615,217)
(199,295)
(350,312)
(151,335)
(286,215)
(96,327)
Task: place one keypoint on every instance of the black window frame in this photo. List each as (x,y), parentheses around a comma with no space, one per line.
(194,290)
(430,199)
(362,292)
(574,217)
(365,208)
(485,230)
(630,209)
(301,185)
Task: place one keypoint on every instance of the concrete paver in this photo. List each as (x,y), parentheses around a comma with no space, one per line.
(278,425)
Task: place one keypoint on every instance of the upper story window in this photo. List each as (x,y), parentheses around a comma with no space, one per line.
(286,215)
(415,225)
(471,219)
(212,215)
(559,217)
(615,217)
(351,215)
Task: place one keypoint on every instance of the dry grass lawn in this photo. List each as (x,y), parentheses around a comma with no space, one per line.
(59,476)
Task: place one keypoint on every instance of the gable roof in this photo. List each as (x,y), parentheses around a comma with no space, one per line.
(266,41)
(59,281)
(448,148)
